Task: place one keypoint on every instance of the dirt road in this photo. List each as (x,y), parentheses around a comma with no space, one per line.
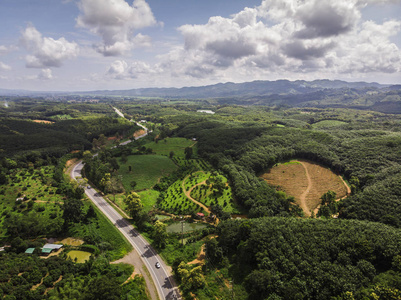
(188,194)
(302,198)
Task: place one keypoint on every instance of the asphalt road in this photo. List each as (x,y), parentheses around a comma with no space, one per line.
(161,277)
(163,280)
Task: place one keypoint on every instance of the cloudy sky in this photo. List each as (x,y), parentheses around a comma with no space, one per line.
(115,44)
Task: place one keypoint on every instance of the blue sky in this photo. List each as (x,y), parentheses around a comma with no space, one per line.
(77,45)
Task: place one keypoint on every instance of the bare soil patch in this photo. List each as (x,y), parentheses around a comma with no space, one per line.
(306,182)
(43,121)
(134,259)
(139,133)
(201,257)
(69,164)
(72,241)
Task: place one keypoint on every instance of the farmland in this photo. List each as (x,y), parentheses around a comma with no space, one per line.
(145,170)
(165,146)
(306,182)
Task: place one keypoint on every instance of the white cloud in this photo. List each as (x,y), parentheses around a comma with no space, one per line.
(370,50)
(115,21)
(4,67)
(3,49)
(287,37)
(120,69)
(45,51)
(7,49)
(45,74)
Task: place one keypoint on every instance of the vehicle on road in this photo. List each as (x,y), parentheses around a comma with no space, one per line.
(157,265)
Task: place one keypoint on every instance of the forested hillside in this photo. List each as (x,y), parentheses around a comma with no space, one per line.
(287,258)
(348,249)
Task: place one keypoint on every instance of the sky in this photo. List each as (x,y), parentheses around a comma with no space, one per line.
(82,45)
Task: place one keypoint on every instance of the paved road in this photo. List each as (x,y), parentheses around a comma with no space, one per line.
(162,278)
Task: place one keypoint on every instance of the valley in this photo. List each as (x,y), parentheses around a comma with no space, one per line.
(269,193)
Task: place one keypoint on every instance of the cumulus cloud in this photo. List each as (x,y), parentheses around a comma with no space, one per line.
(115,21)
(120,69)
(302,51)
(325,18)
(45,51)
(4,67)
(370,50)
(287,37)
(45,74)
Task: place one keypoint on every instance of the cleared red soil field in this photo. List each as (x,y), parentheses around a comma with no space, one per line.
(306,182)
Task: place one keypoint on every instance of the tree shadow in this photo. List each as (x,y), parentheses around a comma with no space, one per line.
(171,296)
(133,233)
(167,284)
(122,223)
(148,253)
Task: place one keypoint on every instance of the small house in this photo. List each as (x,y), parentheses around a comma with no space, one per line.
(49,248)
(29,250)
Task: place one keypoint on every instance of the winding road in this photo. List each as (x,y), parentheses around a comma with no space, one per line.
(162,278)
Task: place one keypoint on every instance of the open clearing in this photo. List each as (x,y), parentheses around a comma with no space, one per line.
(328,123)
(145,170)
(306,182)
(80,256)
(177,145)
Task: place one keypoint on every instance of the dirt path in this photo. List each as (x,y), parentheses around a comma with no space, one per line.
(201,257)
(348,188)
(133,259)
(202,254)
(348,193)
(188,193)
(302,198)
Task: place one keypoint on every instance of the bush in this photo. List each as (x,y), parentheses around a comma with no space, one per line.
(90,248)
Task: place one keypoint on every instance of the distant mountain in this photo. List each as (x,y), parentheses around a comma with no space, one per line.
(300,93)
(229,89)
(7,92)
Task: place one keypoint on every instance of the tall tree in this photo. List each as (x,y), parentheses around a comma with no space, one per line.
(72,211)
(188,152)
(134,204)
(159,233)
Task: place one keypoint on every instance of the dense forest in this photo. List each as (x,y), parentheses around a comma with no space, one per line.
(287,258)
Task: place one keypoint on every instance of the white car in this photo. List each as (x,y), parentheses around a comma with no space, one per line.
(158,265)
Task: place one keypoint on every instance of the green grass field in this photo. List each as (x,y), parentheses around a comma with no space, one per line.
(146,170)
(177,145)
(328,123)
(178,227)
(80,256)
(148,199)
